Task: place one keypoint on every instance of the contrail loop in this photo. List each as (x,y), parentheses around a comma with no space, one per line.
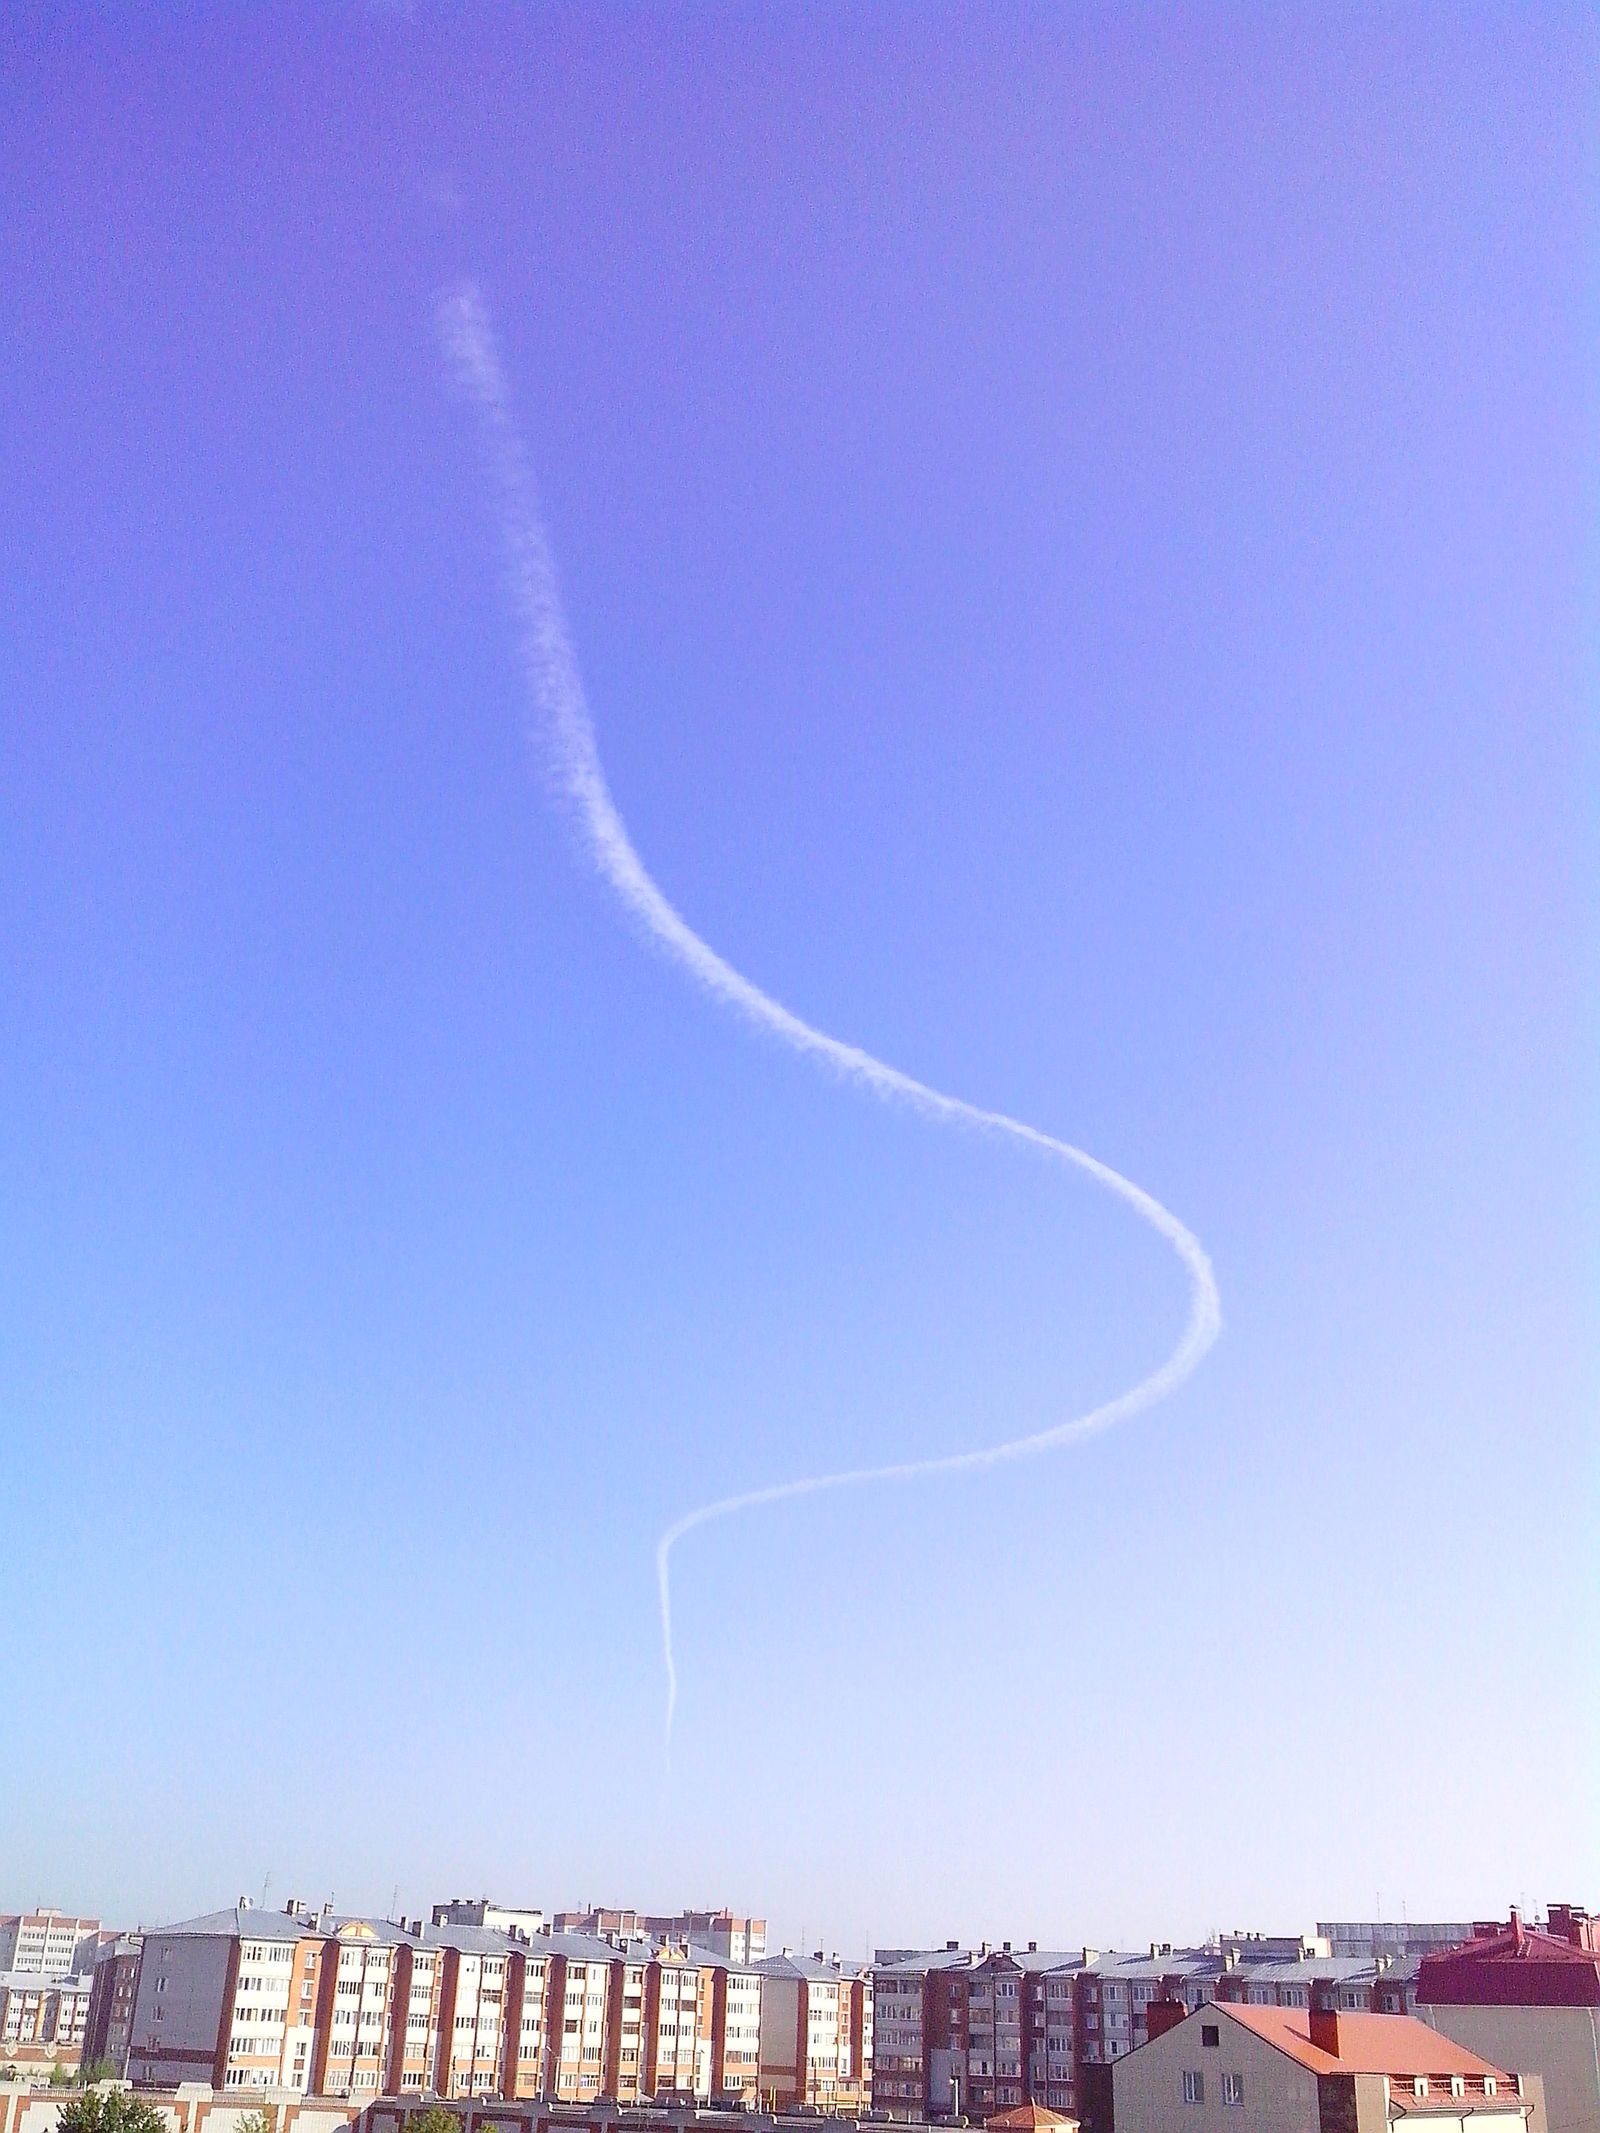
(557,693)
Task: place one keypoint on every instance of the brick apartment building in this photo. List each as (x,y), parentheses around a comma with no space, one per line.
(108,2026)
(979,2032)
(817,2027)
(1530,1999)
(247,1999)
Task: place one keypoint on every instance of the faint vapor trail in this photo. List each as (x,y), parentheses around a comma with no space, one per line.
(561,709)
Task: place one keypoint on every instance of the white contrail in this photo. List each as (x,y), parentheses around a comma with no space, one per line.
(556,690)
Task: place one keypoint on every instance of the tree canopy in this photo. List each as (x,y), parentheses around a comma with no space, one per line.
(110,2111)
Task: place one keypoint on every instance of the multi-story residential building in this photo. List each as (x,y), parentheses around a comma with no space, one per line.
(1529,1999)
(42,2019)
(678,2007)
(235,1998)
(49,1944)
(1395,1939)
(723,1933)
(1278,2070)
(908,2028)
(818,2033)
(354,1969)
(1050,2066)
(521,1921)
(108,2027)
(1116,1992)
(1345,1982)
(579,2024)
(736,2029)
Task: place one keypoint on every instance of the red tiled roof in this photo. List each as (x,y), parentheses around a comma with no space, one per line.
(1518,1968)
(1029,2118)
(1397,2045)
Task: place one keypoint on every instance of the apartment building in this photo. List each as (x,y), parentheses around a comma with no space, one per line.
(234,1998)
(521,1921)
(351,1971)
(49,1944)
(586,2025)
(108,2026)
(817,2033)
(910,2024)
(1278,2070)
(1395,1938)
(42,2019)
(1528,1998)
(736,2029)
(735,1939)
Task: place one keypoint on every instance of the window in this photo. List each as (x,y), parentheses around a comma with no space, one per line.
(1209,2035)
(1233,2088)
(1194,2088)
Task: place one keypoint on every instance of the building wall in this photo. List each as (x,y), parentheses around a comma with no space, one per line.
(178,2009)
(108,2026)
(1279,2095)
(1560,2044)
(48,1944)
(899,2066)
(42,2020)
(782,2069)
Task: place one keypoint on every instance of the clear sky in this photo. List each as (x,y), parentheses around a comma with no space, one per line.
(1080,532)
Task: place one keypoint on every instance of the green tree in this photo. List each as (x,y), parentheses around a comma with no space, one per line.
(435,2119)
(97,2070)
(263,2121)
(109,2111)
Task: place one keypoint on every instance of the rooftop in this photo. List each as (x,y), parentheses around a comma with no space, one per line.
(1513,1966)
(1397,2045)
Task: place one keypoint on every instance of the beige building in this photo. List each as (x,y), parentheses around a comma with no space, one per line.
(42,2020)
(49,1944)
(1244,2069)
(816,2033)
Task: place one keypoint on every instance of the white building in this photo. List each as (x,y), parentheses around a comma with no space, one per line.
(48,1944)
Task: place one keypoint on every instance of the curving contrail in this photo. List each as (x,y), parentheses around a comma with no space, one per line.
(556,689)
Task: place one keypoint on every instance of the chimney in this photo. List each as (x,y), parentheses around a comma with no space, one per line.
(1517,1934)
(1324,2024)
(1162,2015)
(951,1946)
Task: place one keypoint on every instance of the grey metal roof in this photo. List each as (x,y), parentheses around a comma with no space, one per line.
(241,1921)
(916,1962)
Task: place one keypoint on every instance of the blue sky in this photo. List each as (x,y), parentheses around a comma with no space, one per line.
(1080,535)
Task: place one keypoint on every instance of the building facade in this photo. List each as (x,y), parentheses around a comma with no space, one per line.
(108,2027)
(1237,2068)
(1530,1999)
(727,1934)
(49,1944)
(817,2033)
(42,2021)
